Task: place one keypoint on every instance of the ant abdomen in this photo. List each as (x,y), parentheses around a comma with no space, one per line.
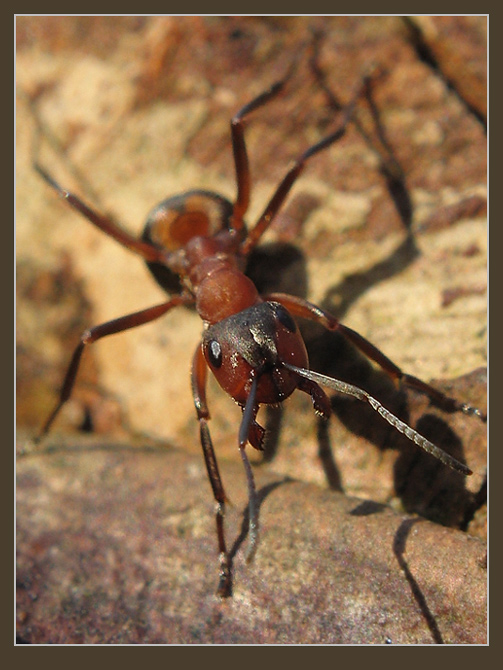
(176,220)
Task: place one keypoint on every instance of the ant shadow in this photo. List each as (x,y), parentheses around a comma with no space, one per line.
(424,485)
(262,494)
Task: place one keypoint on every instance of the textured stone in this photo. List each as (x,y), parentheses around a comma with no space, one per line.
(115,545)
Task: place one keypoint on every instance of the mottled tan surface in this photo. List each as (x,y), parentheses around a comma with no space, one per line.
(138,109)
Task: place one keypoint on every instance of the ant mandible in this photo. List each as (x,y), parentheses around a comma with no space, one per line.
(195,245)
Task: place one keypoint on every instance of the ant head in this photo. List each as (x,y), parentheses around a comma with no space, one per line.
(255,342)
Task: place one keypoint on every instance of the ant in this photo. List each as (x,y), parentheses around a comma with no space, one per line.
(195,245)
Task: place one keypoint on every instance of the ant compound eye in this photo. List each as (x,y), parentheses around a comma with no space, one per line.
(284,317)
(214,353)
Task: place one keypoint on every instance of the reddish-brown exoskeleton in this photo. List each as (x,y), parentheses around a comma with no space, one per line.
(195,245)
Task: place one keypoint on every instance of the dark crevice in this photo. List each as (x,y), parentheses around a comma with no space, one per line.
(399,549)
(426,55)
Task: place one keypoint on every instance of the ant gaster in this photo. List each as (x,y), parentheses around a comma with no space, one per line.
(195,245)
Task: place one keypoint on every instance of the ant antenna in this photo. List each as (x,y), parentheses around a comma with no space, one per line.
(401,426)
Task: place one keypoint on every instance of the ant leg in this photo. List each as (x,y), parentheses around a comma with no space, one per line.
(96,333)
(104,223)
(198,381)
(293,173)
(241,162)
(319,398)
(302,308)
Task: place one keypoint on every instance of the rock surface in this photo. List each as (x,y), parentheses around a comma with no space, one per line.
(118,545)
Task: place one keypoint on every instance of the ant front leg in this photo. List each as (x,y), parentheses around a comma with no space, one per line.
(198,380)
(241,162)
(295,171)
(96,333)
(304,309)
